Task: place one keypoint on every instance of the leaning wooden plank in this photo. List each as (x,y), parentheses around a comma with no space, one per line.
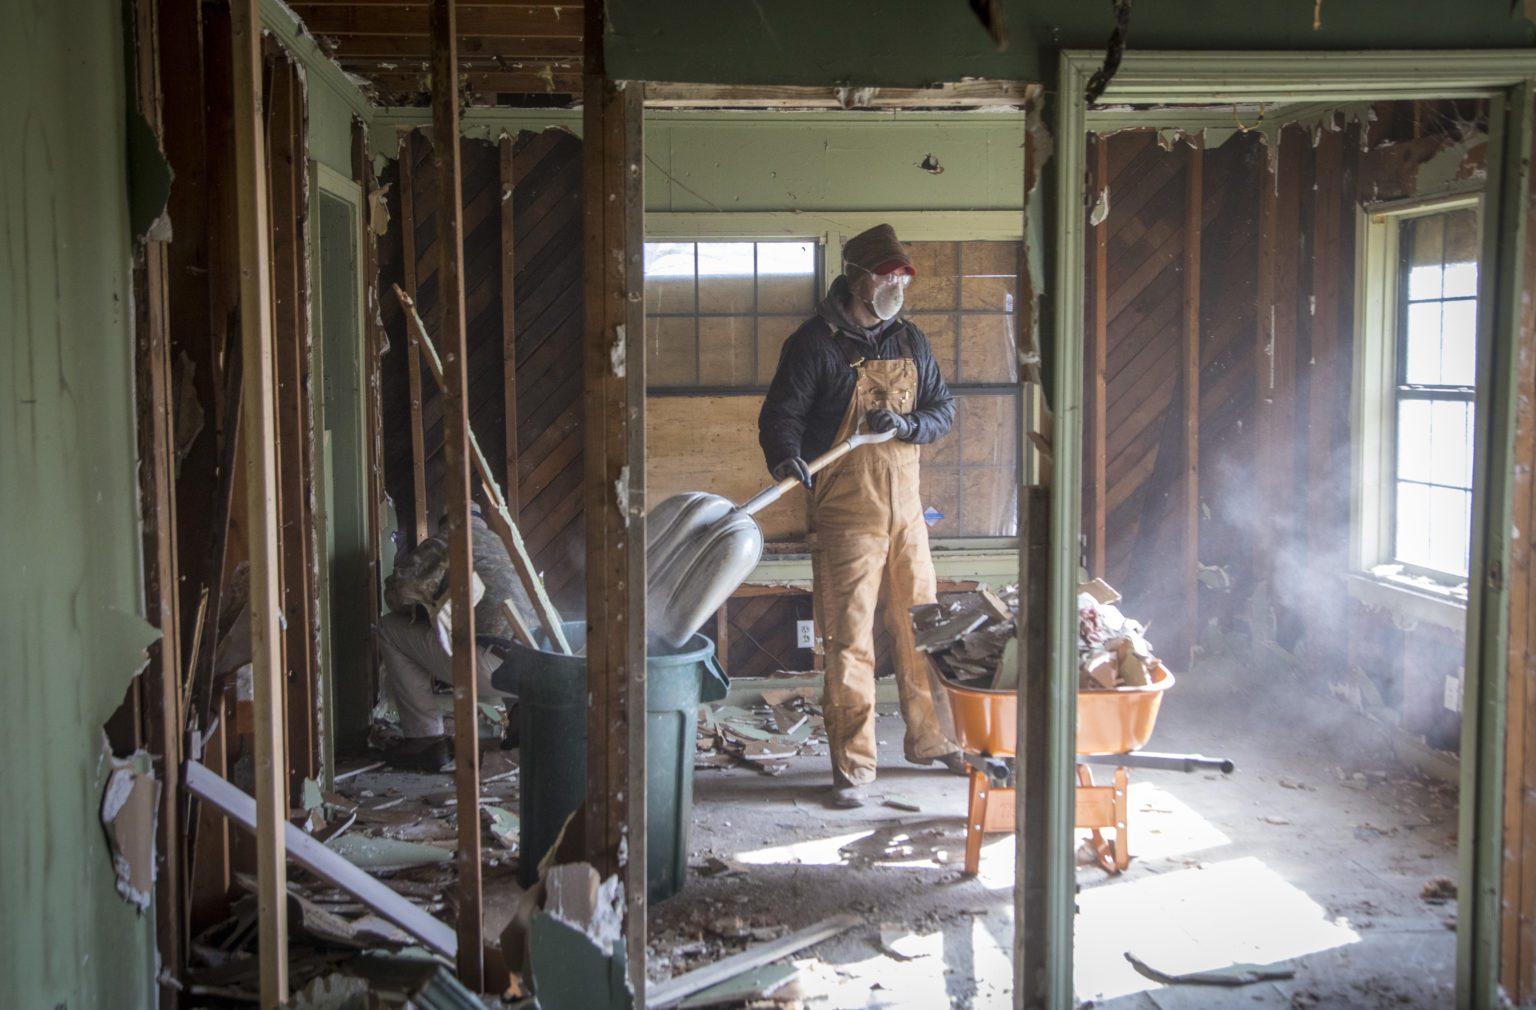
(311,854)
(261,482)
(455,400)
(497,517)
(675,990)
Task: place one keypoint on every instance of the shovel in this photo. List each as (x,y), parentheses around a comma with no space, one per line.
(699,547)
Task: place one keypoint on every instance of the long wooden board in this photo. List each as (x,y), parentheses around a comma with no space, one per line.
(497,518)
(270,810)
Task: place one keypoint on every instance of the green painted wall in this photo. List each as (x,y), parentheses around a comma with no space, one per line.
(796,161)
(846,161)
(915,42)
(73,636)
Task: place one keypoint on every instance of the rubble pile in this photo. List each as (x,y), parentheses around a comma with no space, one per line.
(1112,649)
(764,737)
(402,836)
(970,637)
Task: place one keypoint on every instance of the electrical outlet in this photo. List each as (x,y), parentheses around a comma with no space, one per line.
(805,634)
(1453,693)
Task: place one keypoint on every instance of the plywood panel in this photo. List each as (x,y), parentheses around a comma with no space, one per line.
(709,443)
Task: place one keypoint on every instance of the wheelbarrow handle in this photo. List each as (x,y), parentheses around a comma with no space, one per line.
(774,492)
(1161,762)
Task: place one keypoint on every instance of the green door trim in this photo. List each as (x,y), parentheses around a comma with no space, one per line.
(325,181)
(1505,78)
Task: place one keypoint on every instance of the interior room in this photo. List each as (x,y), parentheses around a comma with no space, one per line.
(977,505)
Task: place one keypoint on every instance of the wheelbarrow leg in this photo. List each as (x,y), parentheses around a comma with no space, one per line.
(1122,820)
(976,822)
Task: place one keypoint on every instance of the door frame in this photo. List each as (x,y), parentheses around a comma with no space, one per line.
(329,182)
(1505,79)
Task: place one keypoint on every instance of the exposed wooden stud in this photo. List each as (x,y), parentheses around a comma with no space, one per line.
(1031,890)
(723,635)
(614,364)
(1099,424)
(1194,202)
(1264,371)
(413,359)
(290,320)
(256,340)
(450,286)
(496,515)
(161,687)
(1517,930)
(373,342)
(509,324)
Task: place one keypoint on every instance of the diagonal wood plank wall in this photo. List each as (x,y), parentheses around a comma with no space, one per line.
(546,215)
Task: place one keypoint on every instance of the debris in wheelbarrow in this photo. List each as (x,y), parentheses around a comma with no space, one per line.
(968,638)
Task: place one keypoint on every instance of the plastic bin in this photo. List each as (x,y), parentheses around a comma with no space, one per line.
(552,705)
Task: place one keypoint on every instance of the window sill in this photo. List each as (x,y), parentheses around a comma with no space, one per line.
(1412,600)
(989,564)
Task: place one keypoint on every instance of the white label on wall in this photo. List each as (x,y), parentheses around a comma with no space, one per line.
(805,634)
(1453,693)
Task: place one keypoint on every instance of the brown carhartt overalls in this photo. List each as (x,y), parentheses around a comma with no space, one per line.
(868,543)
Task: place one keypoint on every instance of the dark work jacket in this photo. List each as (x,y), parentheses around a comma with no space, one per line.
(814,382)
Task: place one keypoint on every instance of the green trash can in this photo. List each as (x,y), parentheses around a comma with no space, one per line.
(552,704)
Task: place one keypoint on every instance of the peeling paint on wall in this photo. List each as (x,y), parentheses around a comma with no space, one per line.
(617,351)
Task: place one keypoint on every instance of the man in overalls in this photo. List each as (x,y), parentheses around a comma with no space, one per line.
(856,365)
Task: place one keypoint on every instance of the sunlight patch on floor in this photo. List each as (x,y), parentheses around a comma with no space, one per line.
(1224,913)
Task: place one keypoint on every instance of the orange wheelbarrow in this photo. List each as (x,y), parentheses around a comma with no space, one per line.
(1111,726)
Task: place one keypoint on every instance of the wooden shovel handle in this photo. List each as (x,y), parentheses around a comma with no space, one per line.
(769,495)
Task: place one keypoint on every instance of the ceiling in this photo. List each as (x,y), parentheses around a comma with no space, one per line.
(510,53)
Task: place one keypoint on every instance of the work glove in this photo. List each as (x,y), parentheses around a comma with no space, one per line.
(888,420)
(794,467)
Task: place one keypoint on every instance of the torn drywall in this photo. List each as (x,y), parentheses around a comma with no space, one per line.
(129,807)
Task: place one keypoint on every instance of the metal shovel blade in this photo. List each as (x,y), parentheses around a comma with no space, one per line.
(698,549)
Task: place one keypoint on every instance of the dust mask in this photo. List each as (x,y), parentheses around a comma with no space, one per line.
(890,291)
(887,300)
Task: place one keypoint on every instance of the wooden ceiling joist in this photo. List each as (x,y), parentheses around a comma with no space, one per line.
(566,81)
(525,20)
(403,47)
(964,94)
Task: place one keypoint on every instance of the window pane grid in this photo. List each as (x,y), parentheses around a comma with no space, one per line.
(1433,416)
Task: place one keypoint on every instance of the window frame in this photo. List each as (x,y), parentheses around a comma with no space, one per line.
(1380,302)
(829,232)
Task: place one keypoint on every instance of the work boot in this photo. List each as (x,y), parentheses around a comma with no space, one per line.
(848,797)
(954,763)
(419,753)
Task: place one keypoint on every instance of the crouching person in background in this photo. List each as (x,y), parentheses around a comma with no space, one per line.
(414,643)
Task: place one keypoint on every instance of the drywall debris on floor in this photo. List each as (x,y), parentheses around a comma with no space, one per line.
(763,737)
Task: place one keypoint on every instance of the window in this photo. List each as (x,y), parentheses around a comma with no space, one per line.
(964,300)
(718,312)
(1417,399)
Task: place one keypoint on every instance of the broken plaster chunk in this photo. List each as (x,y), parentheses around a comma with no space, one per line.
(129,808)
(618,350)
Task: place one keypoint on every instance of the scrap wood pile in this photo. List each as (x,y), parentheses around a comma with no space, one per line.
(971,638)
(763,737)
(402,837)
(1112,649)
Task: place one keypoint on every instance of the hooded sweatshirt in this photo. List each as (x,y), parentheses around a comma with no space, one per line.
(811,389)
